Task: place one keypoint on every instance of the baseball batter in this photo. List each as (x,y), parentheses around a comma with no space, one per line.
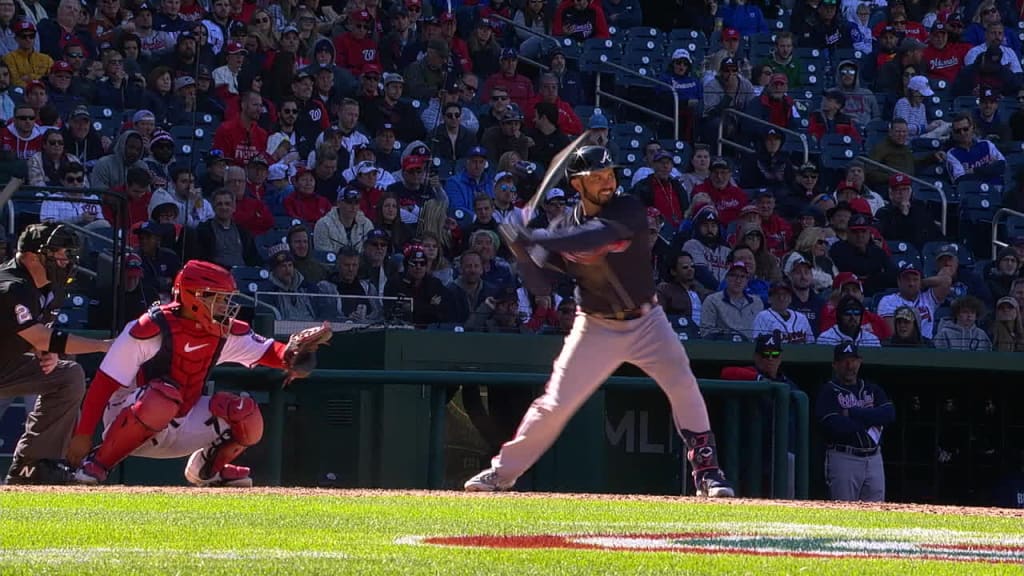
(149,387)
(603,244)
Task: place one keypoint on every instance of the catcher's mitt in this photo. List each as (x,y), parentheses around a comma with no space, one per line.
(300,353)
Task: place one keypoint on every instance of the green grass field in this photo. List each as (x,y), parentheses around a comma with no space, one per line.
(181,531)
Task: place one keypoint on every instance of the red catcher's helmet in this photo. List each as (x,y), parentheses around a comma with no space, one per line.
(207,291)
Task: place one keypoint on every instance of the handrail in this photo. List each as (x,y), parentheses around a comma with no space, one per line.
(942,193)
(277,312)
(721,132)
(89,233)
(256,302)
(500,18)
(674,119)
(996,243)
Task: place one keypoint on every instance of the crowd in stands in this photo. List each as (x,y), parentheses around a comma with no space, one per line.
(371,148)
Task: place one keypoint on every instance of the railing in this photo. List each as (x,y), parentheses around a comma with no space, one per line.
(996,242)
(598,93)
(916,180)
(376,314)
(734,443)
(802,138)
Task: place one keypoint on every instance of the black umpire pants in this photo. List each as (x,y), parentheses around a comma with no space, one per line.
(50,423)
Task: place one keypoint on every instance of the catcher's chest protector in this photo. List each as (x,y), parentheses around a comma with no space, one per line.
(185,357)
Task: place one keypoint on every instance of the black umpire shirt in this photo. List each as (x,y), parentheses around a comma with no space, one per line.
(608,254)
(21,306)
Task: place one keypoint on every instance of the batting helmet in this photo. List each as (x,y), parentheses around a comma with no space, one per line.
(587,159)
(207,291)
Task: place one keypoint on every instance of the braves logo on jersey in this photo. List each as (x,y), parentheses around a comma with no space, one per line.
(591,256)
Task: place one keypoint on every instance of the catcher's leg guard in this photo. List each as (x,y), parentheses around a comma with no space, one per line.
(703,456)
(136,424)
(212,466)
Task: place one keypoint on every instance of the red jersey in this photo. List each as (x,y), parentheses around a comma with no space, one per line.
(354,54)
(944,64)
(460,49)
(308,208)
(240,142)
(728,201)
(568,122)
(138,208)
(253,215)
(778,235)
(519,87)
(23,148)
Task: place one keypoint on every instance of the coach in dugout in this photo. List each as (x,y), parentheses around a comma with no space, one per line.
(852,413)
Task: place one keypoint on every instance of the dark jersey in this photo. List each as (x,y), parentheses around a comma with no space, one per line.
(21,306)
(607,254)
(868,410)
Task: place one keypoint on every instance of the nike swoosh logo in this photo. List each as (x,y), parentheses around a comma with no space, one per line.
(191,348)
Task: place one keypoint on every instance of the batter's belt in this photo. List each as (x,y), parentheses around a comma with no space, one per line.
(630,314)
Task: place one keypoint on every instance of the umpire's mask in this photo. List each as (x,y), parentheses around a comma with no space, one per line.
(47,240)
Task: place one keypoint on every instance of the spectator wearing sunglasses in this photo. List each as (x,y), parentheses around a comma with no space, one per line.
(356,48)
(23,137)
(45,169)
(68,206)
(450,139)
(26,64)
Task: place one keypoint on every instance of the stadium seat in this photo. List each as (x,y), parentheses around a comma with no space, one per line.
(326,257)
(250,278)
(688,35)
(684,327)
(72,317)
(904,253)
(596,51)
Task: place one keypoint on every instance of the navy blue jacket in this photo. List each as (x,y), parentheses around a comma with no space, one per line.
(867,406)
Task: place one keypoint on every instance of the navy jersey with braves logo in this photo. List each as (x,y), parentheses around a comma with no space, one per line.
(867,411)
(609,255)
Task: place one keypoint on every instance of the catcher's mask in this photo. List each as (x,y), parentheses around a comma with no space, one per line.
(47,241)
(208,292)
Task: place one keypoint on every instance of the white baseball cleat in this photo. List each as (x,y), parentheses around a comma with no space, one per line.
(231,475)
(487,481)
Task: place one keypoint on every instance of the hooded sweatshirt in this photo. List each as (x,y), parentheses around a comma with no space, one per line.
(861,104)
(331,235)
(294,307)
(23,148)
(952,336)
(110,170)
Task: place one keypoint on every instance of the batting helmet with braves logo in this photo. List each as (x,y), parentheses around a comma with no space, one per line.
(587,159)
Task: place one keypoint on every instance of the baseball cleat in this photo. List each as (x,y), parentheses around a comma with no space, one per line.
(42,472)
(90,473)
(712,484)
(487,481)
(230,476)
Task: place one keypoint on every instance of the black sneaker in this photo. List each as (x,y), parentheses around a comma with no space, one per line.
(43,472)
(712,484)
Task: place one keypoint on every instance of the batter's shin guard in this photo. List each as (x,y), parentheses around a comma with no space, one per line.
(700,450)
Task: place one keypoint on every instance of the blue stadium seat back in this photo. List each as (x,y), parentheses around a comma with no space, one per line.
(688,35)
(643,32)
(840,54)
(965,104)
(930,249)
(184,132)
(633,157)
(813,72)
(927,144)
(901,248)
(886,103)
(980,193)
(936,108)
(644,71)
(876,127)
(326,257)
(285,222)
(205,120)
(684,327)
(106,126)
(680,150)
(1014,226)
(75,301)
(835,157)
(463,217)
(272,238)
(250,278)
(932,173)
(1010,148)
(927,194)
(72,317)
(596,48)
(445,168)
(98,112)
(185,148)
(762,43)
(944,92)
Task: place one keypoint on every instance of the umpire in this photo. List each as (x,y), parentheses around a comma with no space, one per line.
(852,413)
(30,362)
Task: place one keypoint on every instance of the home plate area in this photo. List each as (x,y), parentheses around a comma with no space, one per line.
(778,540)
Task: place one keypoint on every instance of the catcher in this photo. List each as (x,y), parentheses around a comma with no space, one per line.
(149,387)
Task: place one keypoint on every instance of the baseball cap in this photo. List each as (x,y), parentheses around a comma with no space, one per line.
(730,34)
(844,278)
(184,82)
(391,77)
(837,95)
(776,286)
(920,84)
(720,163)
(503,174)
(301,171)
(808,167)
(508,53)
(289,29)
(477,151)
(204,72)
(80,112)
(302,74)
(151,227)
(773,132)
(861,206)
(768,343)
(415,253)
(236,48)
(133,265)
(24,26)
(348,194)
(738,265)
(598,121)
(793,262)
(846,185)
(553,194)
(859,221)
(947,250)
(61,66)
(143,6)
(729,62)
(372,68)
(989,94)
(214,156)
(662,155)
(908,44)
(682,54)
(908,268)
(365,167)
(277,172)
(904,313)
(749,209)
(237,29)
(143,115)
(35,84)
(1008,300)
(939,27)
(706,214)
(779,78)
(161,136)
(413,162)
(845,350)
(899,180)
(360,16)
(377,234)
(512,114)
(279,254)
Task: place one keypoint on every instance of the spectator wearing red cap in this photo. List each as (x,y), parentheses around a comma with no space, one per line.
(830,119)
(304,203)
(457,46)
(55,33)
(773,105)
(25,63)
(225,78)
(579,20)
(727,197)
(906,219)
(356,48)
(60,93)
(942,59)
(859,255)
(242,138)
(846,284)
(251,213)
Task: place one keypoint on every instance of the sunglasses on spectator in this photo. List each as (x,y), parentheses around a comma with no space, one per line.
(499,98)
(361,27)
(507,188)
(848,72)
(990,10)
(770,354)
(821,242)
(261,20)
(26,118)
(74,179)
(76,55)
(558,202)
(963,130)
(852,312)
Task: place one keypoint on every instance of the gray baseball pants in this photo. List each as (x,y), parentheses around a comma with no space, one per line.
(593,350)
(51,421)
(855,478)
